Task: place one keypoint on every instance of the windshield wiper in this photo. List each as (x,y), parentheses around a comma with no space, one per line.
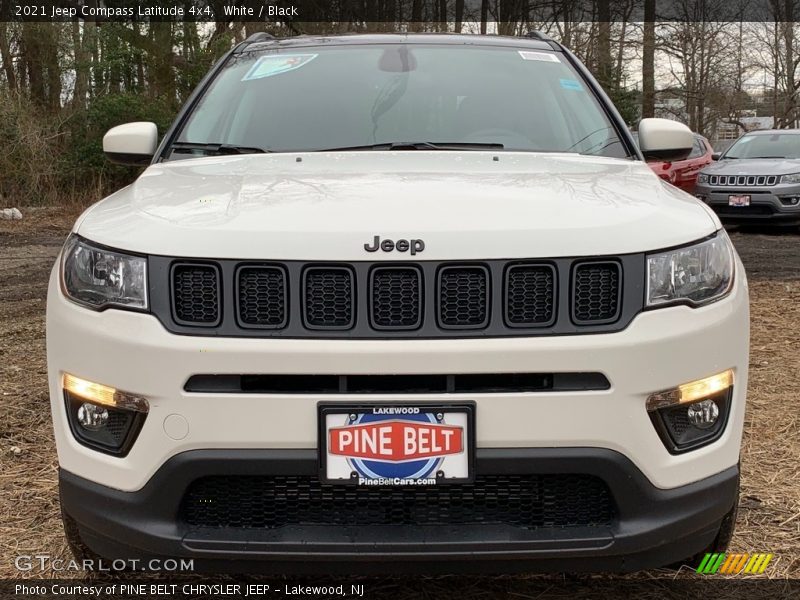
(419,146)
(216,148)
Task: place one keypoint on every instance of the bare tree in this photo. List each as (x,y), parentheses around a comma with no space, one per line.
(700,60)
(648,59)
(778,56)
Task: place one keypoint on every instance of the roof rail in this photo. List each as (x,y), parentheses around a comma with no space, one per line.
(538,35)
(261,36)
(543,37)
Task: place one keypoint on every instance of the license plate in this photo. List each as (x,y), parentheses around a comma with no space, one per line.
(397,445)
(738,200)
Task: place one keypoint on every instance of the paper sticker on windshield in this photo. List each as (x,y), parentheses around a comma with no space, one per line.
(275,64)
(543,56)
(571,84)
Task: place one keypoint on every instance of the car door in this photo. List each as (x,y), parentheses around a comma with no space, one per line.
(687,170)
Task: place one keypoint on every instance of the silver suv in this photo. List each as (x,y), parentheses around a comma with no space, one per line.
(757,179)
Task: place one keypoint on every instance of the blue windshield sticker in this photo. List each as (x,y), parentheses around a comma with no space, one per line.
(571,84)
(276,64)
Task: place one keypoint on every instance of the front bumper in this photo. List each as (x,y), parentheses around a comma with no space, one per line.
(766,204)
(651,527)
(658,350)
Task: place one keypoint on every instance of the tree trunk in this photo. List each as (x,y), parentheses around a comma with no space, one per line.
(775,76)
(82,61)
(603,40)
(459,15)
(619,68)
(791,65)
(416,16)
(160,59)
(5,56)
(648,60)
(31,51)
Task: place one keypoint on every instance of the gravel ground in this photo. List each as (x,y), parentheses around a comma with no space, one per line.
(769,516)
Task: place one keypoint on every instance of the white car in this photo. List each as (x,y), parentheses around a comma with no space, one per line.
(403,302)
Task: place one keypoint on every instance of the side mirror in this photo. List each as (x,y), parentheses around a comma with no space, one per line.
(663,139)
(716,156)
(131,143)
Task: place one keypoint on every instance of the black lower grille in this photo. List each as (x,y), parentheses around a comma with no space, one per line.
(396,298)
(743,211)
(464,297)
(596,292)
(530,295)
(429,383)
(262,296)
(329,298)
(525,501)
(195,294)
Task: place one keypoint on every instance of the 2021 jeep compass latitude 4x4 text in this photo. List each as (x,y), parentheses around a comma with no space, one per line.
(396,302)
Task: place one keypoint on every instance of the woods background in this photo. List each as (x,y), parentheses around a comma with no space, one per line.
(63,84)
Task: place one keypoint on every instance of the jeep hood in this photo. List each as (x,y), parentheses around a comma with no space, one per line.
(464,205)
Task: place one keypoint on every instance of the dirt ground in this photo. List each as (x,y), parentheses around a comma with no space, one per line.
(769,516)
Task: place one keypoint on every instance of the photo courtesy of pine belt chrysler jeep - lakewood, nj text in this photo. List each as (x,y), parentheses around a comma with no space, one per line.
(398,303)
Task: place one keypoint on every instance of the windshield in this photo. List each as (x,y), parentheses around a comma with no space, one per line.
(352,96)
(777,145)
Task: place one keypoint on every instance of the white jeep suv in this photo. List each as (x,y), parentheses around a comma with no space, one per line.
(404,302)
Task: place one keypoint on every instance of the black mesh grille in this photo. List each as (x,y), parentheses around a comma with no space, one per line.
(526,501)
(118,425)
(196,294)
(329,298)
(596,292)
(396,298)
(677,420)
(530,295)
(463,297)
(262,296)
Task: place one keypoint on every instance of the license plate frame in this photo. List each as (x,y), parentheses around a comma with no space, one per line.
(739,200)
(454,415)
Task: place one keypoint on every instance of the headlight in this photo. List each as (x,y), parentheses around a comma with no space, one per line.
(702,178)
(792,178)
(696,274)
(99,278)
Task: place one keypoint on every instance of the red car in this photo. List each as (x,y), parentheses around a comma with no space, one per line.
(683,173)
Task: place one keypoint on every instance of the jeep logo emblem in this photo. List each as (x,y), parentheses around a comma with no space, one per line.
(400,245)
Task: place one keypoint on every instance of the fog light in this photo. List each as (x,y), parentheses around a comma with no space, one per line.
(102,417)
(92,417)
(693,414)
(703,414)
